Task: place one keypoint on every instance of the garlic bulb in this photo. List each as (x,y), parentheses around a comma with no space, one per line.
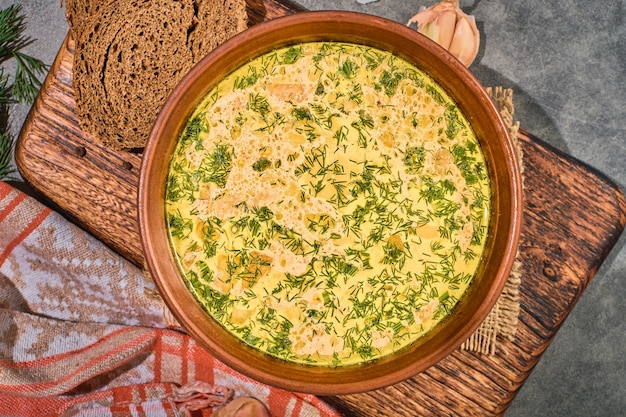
(446,24)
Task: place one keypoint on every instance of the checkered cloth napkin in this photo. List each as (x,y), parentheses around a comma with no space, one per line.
(84,332)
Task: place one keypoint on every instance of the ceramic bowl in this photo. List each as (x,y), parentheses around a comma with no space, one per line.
(473,101)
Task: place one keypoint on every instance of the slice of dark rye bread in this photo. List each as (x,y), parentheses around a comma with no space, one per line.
(130,55)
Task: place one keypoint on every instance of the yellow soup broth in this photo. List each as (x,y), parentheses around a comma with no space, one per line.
(328,203)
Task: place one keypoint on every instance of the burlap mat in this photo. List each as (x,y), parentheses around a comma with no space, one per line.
(503,319)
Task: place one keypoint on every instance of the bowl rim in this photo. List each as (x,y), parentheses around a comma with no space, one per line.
(317,26)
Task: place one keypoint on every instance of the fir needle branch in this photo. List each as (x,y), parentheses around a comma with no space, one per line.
(24,86)
(6,148)
(27,68)
(27,71)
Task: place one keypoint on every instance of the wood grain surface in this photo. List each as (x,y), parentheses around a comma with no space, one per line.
(573,216)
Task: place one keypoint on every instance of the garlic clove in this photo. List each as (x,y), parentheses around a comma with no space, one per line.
(466,40)
(446,22)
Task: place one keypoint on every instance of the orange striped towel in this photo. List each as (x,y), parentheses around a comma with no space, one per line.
(82,332)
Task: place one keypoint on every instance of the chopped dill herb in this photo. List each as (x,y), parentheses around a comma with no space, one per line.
(348,69)
(180,227)
(261,164)
(453,123)
(291,55)
(414,159)
(258,103)
(192,131)
(389,82)
(248,80)
(217,164)
(301,113)
(341,135)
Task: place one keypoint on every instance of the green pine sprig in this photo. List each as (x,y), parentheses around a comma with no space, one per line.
(23,86)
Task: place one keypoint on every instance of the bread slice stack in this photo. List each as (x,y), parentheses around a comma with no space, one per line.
(130,54)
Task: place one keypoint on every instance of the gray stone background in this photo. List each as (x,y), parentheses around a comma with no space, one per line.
(566,62)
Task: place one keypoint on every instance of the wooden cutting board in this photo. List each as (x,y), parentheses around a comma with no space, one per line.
(573,216)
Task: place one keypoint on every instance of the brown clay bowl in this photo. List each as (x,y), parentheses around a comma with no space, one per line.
(472,100)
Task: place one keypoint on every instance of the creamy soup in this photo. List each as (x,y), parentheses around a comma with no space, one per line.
(328,203)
